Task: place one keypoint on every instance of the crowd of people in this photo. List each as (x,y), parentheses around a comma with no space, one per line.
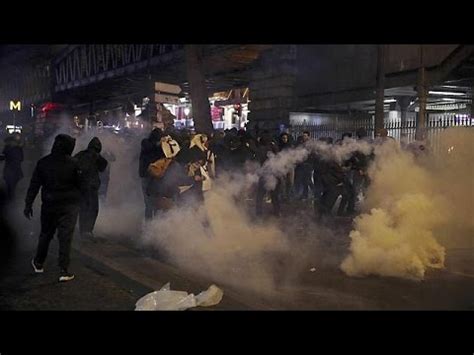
(176,167)
(316,178)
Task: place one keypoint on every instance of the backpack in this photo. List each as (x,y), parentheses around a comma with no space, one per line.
(158,169)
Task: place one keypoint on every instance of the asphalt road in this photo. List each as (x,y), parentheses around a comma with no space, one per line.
(113,274)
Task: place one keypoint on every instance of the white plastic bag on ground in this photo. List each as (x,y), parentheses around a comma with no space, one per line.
(165,300)
(168,300)
(211,297)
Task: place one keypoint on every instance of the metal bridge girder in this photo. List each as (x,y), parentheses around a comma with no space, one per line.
(105,60)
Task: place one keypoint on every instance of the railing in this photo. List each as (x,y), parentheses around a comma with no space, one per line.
(402,132)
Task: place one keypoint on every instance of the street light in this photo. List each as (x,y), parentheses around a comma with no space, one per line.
(186,114)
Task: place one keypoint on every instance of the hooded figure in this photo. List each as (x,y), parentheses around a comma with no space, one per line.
(150,152)
(91,164)
(62,184)
(13,157)
(105,175)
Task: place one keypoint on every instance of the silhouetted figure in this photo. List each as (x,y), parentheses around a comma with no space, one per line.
(7,237)
(61,183)
(150,152)
(13,157)
(91,164)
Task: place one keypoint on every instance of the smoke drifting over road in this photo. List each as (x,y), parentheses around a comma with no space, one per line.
(282,163)
(120,215)
(414,206)
(220,240)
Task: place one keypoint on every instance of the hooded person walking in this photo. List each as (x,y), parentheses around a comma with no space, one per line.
(91,164)
(61,182)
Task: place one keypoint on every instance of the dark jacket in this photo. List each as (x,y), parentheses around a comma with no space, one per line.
(150,152)
(282,145)
(235,159)
(92,163)
(13,156)
(168,185)
(57,175)
(331,173)
(187,155)
(105,175)
(264,147)
(358,161)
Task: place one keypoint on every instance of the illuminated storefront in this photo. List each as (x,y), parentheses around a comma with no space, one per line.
(229,110)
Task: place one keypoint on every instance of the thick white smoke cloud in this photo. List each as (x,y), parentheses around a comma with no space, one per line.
(218,240)
(278,165)
(415,209)
(121,214)
(414,206)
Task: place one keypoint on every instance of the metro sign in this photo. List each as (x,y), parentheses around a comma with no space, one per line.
(15,105)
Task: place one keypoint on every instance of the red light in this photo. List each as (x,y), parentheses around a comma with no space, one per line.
(49,106)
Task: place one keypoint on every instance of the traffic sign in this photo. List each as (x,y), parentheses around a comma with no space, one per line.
(167,99)
(167,88)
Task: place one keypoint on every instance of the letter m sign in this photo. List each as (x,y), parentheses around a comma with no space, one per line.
(15,105)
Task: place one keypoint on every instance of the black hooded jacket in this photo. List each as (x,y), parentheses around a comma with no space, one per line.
(92,163)
(150,151)
(57,175)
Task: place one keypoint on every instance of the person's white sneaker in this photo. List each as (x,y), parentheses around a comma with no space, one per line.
(65,276)
(38,268)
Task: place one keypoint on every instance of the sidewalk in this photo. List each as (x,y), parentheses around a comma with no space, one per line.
(108,277)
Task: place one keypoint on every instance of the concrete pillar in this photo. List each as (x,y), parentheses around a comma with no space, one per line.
(199,94)
(422,91)
(404,102)
(271,89)
(380,87)
(472,102)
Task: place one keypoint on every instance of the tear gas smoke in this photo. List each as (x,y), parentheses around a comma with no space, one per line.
(278,165)
(412,205)
(218,240)
(120,215)
(413,210)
